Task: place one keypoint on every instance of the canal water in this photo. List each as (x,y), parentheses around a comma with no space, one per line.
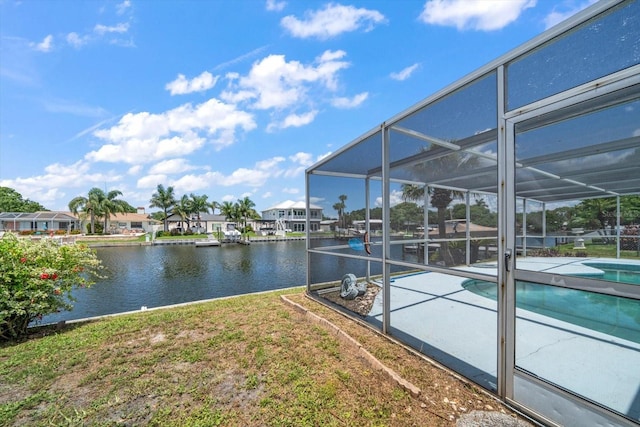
(155,276)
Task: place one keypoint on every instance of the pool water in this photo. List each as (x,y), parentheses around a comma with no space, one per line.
(617,273)
(615,316)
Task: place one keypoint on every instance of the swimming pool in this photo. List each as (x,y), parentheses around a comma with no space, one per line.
(612,315)
(620,273)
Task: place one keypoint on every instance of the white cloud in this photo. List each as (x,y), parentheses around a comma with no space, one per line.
(45,188)
(276,83)
(344,102)
(291,190)
(181,85)
(267,195)
(271,163)
(120,28)
(121,8)
(304,159)
(395,198)
(77,41)
(171,166)
(332,21)
(556,16)
(294,120)
(134,170)
(256,177)
(151,181)
(483,15)
(45,45)
(146,137)
(275,6)
(405,73)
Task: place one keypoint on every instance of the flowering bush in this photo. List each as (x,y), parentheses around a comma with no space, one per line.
(37,277)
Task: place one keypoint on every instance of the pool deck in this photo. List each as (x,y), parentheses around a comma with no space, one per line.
(435,314)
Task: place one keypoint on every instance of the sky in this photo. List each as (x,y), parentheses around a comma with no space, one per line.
(230,99)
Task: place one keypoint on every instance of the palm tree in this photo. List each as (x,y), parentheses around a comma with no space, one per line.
(198,204)
(440,198)
(165,200)
(231,211)
(214,205)
(89,205)
(245,209)
(110,205)
(183,209)
(340,208)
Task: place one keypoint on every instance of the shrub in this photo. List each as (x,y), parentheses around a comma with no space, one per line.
(36,279)
(188,232)
(99,227)
(159,233)
(175,232)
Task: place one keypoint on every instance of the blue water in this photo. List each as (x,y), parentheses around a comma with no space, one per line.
(620,273)
(156,276)
(616,316)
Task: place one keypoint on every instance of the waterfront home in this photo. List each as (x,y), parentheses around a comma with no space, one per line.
(208,223)
(294,215)
(38,222)
(131,223)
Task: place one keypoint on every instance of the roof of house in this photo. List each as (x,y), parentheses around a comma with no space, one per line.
(203,217)
(290,204)
(38,216)
(134,217)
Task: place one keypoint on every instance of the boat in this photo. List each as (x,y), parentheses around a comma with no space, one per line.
(210,241)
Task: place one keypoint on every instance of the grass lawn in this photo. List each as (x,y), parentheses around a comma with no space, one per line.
(245,361)
(597,250)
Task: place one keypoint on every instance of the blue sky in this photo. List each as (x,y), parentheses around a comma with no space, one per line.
(224,98)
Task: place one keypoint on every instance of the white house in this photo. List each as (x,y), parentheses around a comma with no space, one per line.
(125,223)
(294,215)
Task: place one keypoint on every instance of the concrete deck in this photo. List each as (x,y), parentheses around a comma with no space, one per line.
(435,314)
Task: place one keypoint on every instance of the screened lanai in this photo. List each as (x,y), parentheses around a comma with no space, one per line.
(510,208)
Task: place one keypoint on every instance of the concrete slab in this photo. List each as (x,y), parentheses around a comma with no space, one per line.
(435,314)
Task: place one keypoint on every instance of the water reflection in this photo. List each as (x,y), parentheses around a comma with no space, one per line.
(155,276)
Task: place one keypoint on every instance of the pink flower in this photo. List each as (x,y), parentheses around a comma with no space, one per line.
(23,260)
(44,276)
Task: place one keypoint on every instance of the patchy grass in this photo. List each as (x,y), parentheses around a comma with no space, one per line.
(596,250)
(246,361)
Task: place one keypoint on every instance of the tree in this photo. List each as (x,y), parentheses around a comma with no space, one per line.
(183,209)
(229,210)
(340,207)
(405,213)
(245,209)
(88,206)
(12,201)
(433,168)
(165,200)
(197,205)
(110,205)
